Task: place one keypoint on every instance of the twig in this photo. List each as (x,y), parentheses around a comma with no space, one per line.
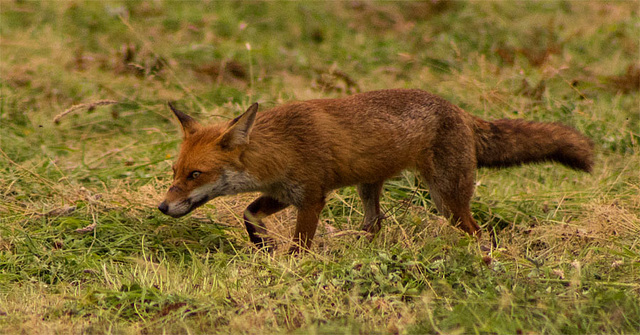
(89,106)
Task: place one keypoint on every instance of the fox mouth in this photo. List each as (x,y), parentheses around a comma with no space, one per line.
(189,204)
(198,203)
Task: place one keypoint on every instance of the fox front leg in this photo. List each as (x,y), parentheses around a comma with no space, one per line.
(306,225)
(253,215)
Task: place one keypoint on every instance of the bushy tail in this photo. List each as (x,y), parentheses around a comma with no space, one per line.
(507,142)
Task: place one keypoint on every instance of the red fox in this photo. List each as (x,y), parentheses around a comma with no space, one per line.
(295,154)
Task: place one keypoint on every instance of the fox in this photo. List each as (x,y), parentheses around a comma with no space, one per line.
(295,154)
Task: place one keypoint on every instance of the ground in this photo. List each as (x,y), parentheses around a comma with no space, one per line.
(87,144)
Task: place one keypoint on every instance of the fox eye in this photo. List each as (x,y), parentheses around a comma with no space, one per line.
(193,175)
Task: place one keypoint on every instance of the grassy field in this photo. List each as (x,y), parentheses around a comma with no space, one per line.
(83,248)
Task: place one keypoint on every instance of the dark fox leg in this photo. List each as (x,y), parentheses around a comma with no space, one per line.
(370,195)
(253,215)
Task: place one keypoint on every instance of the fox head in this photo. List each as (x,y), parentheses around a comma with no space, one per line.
(209,163)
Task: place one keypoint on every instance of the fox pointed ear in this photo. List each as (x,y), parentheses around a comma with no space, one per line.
(189,124)
(239,129)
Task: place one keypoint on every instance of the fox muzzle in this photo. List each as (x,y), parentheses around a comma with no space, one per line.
(182,208)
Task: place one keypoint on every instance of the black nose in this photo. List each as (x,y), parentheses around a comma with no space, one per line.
(163,207)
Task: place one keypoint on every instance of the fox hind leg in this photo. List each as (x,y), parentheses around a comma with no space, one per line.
(451,183)
(253,215)
(370,195)
(454,205)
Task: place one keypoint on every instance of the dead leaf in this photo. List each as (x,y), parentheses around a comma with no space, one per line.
(86,229)
(62,211)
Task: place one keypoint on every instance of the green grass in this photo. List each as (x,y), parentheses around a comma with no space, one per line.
(83,249)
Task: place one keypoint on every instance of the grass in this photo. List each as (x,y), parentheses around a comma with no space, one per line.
(83,249)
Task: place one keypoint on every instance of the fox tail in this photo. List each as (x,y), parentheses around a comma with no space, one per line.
(505,142)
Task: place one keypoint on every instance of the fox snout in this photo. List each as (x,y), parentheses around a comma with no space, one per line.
(175,203)
(181,208)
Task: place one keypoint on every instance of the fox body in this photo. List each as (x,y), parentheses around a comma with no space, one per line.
(295,154)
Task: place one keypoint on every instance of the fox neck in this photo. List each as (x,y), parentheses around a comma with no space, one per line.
(270,174)
(236,181)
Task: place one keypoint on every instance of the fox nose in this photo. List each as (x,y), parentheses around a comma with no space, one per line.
(163,207)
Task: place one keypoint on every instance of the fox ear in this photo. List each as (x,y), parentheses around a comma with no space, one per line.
(239,129)
(189,124)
